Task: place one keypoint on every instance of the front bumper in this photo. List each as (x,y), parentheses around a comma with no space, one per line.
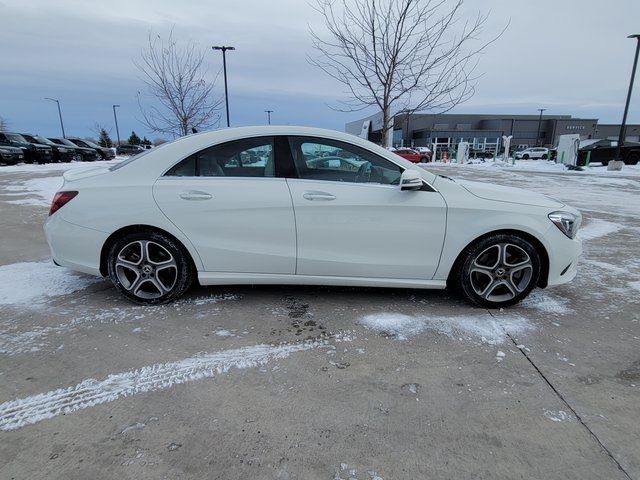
(563,257)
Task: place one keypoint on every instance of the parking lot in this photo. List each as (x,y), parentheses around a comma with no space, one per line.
(323,383)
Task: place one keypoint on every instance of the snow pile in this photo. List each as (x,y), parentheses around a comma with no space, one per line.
(39,191)
(482,327)
(597,228)
(535,166)
(32,282)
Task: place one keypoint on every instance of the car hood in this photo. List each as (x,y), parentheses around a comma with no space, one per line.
(500,193)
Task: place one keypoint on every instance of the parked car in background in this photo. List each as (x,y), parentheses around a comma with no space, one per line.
(86,154)
(61,153)
(300,221)
(533,153)
(11,155)
(423,150)
(603,151)
(412,155)
(33,152)
(105,153)
(480,153)
(127,149)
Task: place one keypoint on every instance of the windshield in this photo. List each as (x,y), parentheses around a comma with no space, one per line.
(91,144)
(14,137)
(46,141)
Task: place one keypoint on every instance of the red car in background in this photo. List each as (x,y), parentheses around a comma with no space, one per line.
(412,155)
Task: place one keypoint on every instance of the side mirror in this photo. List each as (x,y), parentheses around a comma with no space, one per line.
(410,180)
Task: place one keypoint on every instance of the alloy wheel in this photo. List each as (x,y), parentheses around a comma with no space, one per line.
(501,272)
(146,269)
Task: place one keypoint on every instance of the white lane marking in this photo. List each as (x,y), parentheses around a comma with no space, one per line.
(90,392)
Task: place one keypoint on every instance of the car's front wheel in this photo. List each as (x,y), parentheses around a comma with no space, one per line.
(498,271)
(149,268)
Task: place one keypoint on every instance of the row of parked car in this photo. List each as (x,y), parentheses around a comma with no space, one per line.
(27,148)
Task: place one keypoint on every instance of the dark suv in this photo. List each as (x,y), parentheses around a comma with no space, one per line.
(33,152)
(86,154)
(105,153)
(11,155)
(129,149)
(61,153)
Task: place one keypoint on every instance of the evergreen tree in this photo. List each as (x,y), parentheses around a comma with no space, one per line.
(134,139)
(145,141)
(104,139)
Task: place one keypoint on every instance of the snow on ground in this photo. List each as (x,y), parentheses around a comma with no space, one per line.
(90,392)
(55,167)
(596,228)
(546,302)
(31,283)
(37,191)
(486,329)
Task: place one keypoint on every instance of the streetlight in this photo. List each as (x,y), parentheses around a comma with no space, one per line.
(539,122)
(115,117)
(59,114)
(224,67)
(268,112)
(623,127)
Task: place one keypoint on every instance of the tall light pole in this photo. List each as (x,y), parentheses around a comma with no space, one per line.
(623,127)
(268,112)
(59,114)
(224,68)
(115,117)
(539,122)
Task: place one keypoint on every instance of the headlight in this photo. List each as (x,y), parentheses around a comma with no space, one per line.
(568,223)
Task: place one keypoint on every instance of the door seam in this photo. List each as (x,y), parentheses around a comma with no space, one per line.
(295,225)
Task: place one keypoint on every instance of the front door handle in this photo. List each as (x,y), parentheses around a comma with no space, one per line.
(318,196)
(195,195)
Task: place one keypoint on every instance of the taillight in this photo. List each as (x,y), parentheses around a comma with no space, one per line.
(60,200)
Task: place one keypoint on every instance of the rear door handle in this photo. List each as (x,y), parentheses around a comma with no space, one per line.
(195,195)
(318,196)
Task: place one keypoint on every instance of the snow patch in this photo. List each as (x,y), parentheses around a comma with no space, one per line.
(547,303)
(39,191)
(635,285)
(30,283)
(559,416)
(90,392)
(597,228)
(489,330)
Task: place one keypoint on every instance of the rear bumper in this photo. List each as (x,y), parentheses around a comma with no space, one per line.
(73,246)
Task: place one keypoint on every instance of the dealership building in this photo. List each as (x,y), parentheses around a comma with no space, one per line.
(485,132)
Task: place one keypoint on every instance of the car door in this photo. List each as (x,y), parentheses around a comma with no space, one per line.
(237,213)
(357,222)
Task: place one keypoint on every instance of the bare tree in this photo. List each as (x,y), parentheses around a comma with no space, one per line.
(400,55)
(176,78)
(4,125)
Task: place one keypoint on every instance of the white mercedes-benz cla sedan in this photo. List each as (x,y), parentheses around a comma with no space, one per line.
(295,205)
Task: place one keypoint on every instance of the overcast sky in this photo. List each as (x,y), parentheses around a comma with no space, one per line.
(569,56)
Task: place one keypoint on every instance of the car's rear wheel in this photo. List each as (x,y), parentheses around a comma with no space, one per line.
(633,158)
(149,268)
(525,156)
(498,271)
(544,156)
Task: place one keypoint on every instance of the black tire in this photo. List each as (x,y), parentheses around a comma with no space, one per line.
(545,156)
(508,283)
(160,280)
(604,162)
(525,156)
(633,158)
(424,159)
